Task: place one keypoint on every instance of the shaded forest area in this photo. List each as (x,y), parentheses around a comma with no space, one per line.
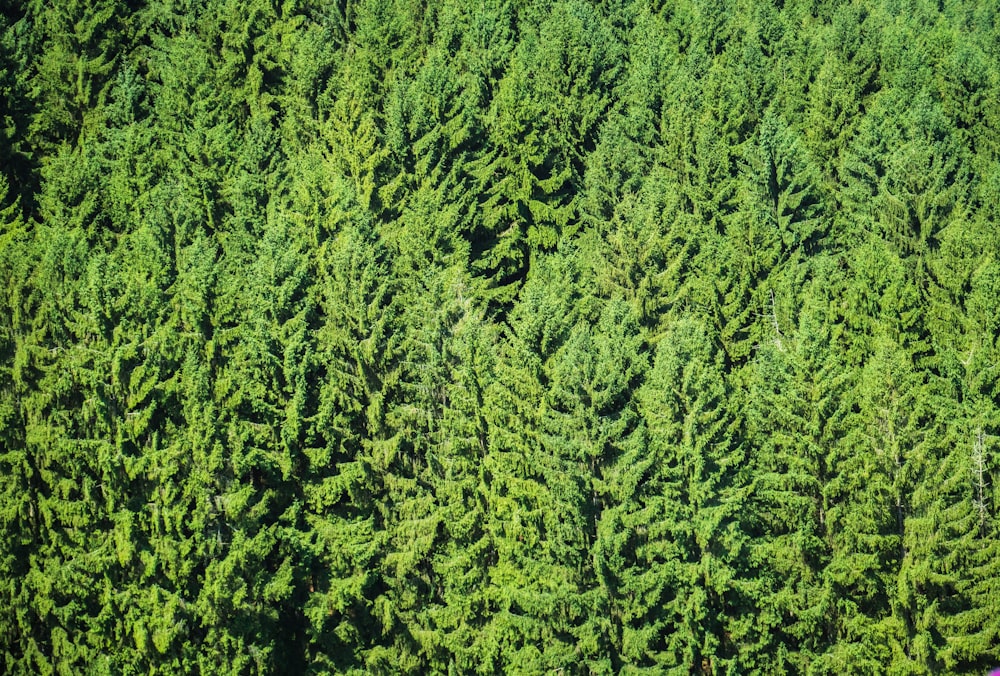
(462,336)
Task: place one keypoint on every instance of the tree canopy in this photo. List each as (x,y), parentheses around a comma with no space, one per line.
(528,336)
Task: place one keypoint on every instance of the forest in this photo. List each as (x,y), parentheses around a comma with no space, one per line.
(499,336)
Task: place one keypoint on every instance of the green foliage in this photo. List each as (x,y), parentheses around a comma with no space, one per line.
(507,336)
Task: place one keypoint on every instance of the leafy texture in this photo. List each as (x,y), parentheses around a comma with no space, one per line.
(515,336)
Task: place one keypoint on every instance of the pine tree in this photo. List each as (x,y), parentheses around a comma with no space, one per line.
(798,410)
(537,132)
(590,426)
(870,500)
(671,545)
(72,74)
(535,563)
(17,519)
(359,348)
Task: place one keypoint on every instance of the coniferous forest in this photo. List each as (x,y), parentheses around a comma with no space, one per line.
(499,336)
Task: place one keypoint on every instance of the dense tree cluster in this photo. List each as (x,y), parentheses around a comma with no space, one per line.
(464,336)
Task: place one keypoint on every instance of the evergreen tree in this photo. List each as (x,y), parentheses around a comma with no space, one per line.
(671,545)
(797,413)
